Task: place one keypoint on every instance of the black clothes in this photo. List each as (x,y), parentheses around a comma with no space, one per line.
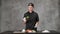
(31,18)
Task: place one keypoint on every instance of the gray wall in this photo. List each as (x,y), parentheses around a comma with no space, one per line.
(0,16)
(58,23)
(13,11)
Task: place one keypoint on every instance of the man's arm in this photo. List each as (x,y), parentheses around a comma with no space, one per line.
(36,24)
(37,21)
(24,19)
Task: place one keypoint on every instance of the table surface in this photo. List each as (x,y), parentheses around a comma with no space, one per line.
(10,32)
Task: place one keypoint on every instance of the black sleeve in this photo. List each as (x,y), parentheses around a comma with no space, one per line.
(24,15)
(37,18)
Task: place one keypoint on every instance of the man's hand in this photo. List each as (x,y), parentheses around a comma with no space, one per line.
(24,20)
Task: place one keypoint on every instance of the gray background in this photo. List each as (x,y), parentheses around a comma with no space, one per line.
(12,11)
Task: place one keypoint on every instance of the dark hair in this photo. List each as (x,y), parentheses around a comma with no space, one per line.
(31,4)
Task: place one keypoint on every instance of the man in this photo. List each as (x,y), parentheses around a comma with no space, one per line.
(31,18)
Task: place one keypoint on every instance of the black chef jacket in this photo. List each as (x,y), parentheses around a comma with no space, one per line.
(31,18)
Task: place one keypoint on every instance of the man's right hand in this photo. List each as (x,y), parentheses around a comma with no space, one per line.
(24,20)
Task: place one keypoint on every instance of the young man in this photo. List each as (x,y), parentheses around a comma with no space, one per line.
(31,18)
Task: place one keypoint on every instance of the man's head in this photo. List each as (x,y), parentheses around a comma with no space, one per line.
(30,7)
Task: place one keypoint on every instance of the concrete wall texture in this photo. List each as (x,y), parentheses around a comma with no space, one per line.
(12,11)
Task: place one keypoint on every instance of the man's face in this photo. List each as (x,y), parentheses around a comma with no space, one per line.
(30,8)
